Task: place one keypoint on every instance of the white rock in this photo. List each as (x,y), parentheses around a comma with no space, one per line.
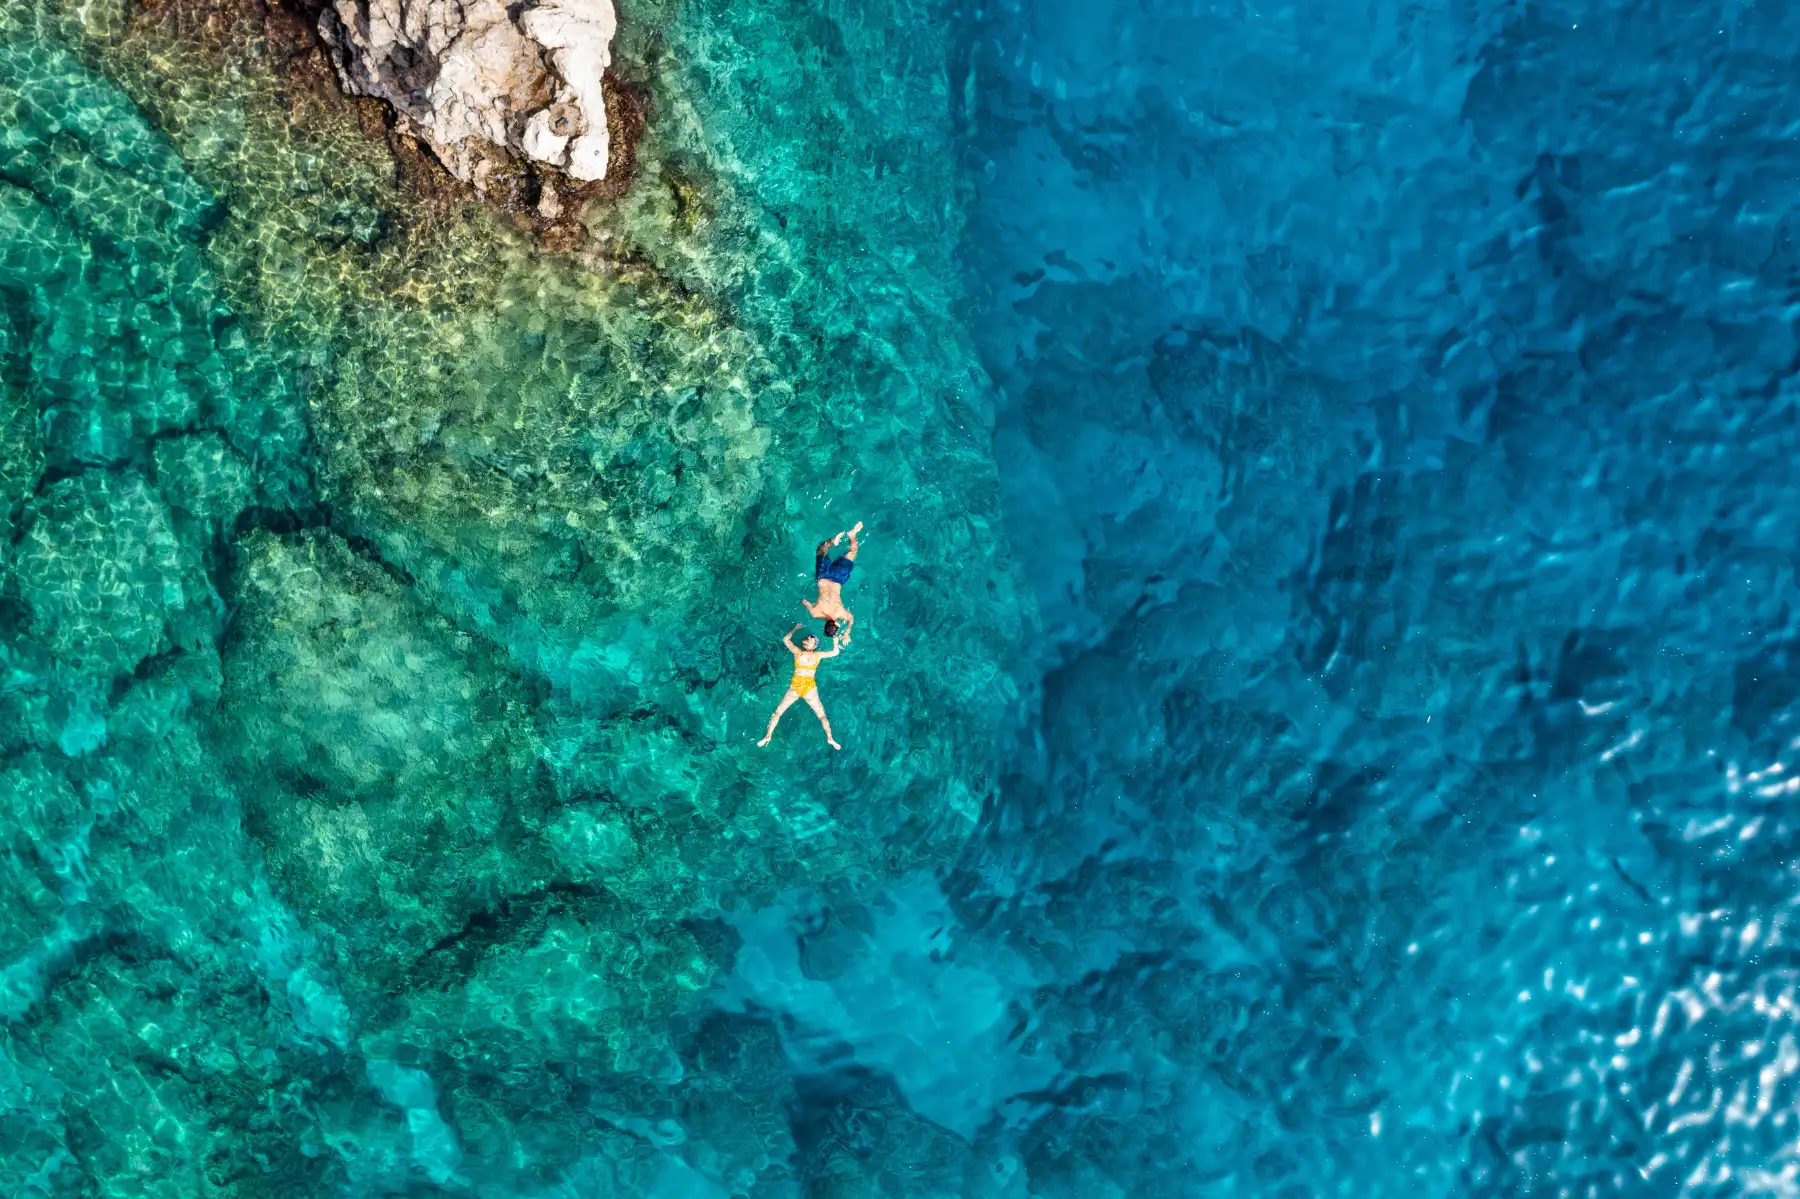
(578,34)
(549,203)
(472,80)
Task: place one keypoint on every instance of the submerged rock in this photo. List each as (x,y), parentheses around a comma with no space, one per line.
(474,80)
(106,578)
(394,760)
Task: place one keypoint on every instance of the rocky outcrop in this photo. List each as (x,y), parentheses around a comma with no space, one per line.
(475,79)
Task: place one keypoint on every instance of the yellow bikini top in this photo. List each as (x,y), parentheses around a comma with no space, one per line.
(802,667)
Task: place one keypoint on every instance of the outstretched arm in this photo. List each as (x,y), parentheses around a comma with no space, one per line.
(834,650)
(787,639)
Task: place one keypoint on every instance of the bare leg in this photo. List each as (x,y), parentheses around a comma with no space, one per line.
(787,701)
(812,700)
(851,552)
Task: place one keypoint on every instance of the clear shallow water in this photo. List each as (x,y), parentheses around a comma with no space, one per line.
(1346,457)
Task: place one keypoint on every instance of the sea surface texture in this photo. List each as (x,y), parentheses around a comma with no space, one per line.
(1324,707)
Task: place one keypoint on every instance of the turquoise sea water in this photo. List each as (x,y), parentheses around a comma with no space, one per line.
(1319,718)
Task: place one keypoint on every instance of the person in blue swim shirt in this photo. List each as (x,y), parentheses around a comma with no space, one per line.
(832,574)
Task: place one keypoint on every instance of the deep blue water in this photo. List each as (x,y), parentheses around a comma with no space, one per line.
(1397,426)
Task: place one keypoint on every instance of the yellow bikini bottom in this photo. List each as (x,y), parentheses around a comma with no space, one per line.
(803,685)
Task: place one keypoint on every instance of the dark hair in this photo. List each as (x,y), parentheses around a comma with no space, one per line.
(831,627)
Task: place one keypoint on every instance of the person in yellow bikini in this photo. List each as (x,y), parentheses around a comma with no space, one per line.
(803,685)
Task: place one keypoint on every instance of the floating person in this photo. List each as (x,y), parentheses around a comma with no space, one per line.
(803,686)
(832,574)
